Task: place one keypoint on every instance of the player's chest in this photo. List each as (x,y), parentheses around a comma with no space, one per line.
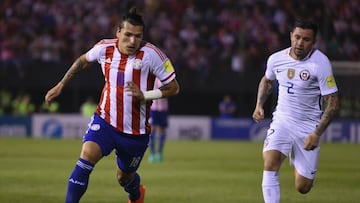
(124,64)
(301,76)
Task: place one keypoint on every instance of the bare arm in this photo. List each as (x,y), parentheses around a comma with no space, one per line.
(266,87)
(167,90)
(170,89)
(80,64)
(331,109)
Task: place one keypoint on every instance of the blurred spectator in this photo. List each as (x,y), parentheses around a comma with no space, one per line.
(227,107)
(214,37)
(346,107)
(88,108)
(23,105)
(357,107)
(52,108)
(5,101)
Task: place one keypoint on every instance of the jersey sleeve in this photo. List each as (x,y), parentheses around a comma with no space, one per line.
(326,78)
(94,53)
(162,66)
(269,73)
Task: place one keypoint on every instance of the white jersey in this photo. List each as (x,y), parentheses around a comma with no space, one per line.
(159,104)
(115,106)
(301,85)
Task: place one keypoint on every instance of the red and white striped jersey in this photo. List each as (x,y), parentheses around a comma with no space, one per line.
(115,106)
(159,104)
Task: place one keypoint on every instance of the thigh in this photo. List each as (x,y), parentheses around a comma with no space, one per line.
(304,161)
(130,151)
(101,133)
(278,138)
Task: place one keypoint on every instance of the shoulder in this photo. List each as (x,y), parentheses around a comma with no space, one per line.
(99,49)
(153,51)
(319,55)
(106,43)
(320,58)
(279,55)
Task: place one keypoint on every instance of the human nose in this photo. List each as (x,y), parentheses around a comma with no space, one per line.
(132,40)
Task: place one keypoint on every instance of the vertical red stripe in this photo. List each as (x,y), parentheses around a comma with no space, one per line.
(136,115)
(150,86)
(119,95)
(108,55)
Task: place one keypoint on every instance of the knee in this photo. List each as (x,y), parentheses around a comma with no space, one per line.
(303,188)
(91,152)
(122,177)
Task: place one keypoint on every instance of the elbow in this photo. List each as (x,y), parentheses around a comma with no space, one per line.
(177,90)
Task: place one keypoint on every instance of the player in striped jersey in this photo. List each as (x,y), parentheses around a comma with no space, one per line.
(159,123)
(130,66)
(305,77)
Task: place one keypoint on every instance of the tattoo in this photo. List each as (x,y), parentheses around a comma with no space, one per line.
(164,87)
(331,110)
(76,67)
(265,89)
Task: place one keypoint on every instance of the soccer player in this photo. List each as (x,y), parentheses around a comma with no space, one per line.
(130,66)
(159,123)
(305,79)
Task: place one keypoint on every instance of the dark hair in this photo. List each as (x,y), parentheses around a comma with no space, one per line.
(133,18)
(307,24)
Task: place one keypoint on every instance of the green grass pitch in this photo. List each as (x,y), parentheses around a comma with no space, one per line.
(36,170)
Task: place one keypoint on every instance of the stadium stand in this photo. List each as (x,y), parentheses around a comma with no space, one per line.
(216,45)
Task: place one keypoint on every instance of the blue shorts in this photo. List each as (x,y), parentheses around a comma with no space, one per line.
(129,149)
(159,118)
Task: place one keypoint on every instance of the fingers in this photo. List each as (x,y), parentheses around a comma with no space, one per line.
(310,147)
(258,116)
(48,98)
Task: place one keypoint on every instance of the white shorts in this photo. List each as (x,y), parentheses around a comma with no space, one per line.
(289,140)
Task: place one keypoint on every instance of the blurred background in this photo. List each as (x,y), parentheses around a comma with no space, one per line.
(218,47)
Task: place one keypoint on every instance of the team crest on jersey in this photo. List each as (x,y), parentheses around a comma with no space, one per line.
(291,73)
(305,75)
(95,127)
(137,64)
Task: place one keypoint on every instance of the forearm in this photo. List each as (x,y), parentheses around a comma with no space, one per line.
(331,110)
(170,89)
(79,65)
(164,91)
(264,90)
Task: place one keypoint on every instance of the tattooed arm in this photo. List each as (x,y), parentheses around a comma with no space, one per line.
(80,64)
(167,90)
(331,109)
(266,87)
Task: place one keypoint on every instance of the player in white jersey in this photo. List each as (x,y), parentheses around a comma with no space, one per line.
(120,123)
(159,122)
(305,81)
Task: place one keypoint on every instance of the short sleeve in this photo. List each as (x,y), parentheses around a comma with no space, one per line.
(269,73)
(326,78)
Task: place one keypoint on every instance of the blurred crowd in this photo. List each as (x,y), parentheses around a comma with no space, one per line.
(204,38)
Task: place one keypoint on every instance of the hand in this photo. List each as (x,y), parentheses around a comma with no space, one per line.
(54,92)
(134,90)
(258,114)
(311,141)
